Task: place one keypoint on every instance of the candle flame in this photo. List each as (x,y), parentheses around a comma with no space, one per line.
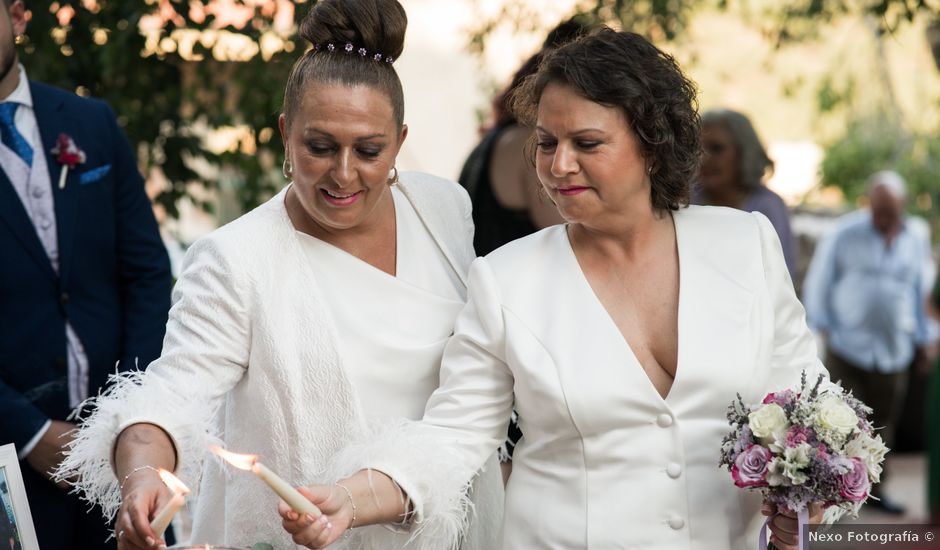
(173,482)
(244,462)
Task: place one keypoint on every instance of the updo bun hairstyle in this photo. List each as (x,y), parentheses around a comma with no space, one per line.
(353,43)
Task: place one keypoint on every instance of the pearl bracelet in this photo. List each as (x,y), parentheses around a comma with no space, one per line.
(134,471)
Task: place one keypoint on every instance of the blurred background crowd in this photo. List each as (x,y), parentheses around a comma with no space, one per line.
(824,116)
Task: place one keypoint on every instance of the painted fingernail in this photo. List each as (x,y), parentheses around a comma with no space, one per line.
(292,516)
(150,541)
(310,518)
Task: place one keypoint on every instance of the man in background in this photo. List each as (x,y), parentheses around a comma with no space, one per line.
(865,294)
(85,282)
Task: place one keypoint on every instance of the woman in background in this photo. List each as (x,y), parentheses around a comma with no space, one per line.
(733,173)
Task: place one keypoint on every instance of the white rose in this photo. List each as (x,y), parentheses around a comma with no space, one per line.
(767,421)
(835,415)
(871,451)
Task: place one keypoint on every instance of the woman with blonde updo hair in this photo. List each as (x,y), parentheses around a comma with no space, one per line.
(307,324)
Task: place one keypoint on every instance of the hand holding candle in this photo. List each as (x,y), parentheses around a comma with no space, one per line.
(165,515)
(283,489)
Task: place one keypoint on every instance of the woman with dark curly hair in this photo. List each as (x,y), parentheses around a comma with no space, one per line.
(620,337)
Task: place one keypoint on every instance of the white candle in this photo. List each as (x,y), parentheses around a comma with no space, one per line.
(165,515)
(291,496)
(285,490)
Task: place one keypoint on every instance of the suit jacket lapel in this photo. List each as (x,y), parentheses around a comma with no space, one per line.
(13,214)
(51,123)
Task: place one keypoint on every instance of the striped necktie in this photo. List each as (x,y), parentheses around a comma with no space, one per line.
(10,136)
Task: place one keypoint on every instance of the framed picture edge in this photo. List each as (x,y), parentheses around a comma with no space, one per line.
(10,463)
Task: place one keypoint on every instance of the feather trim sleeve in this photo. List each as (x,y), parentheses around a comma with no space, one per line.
(205,353)
(436,460)
(456,504)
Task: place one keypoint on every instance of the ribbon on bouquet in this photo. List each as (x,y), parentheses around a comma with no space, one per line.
(802,519)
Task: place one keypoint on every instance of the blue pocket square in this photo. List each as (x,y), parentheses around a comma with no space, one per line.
(94,175)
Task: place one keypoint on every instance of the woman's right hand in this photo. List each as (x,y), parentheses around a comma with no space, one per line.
(144,493)
(306,530)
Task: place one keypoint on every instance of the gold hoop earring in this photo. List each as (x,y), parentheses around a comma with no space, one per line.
(393,176)
(287,170)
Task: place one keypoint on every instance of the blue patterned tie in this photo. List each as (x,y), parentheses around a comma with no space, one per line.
(10,136)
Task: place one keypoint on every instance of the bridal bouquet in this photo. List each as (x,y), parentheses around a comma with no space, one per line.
(797,448)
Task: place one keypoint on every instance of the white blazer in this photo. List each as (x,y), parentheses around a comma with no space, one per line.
(605,462)
(249,359)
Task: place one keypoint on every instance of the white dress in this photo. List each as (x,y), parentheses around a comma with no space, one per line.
(269,351)
(605,462)
(394,369)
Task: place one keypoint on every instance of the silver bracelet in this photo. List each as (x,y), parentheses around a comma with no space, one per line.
(352,503)
(134,471)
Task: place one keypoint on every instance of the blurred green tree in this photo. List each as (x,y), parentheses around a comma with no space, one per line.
(196,84)
(663,20)
(794,20)
(873,144)
(658,20)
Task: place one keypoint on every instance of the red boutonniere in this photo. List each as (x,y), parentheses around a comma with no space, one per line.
(68,155)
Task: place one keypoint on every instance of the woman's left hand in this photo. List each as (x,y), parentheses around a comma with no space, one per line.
(320,532)
(785,528)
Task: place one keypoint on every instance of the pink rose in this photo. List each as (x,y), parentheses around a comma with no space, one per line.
(784,398)
(750,468)
(855,483)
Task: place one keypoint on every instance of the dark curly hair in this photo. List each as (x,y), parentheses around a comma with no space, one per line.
(623,70)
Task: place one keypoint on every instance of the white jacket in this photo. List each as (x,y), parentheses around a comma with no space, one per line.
(249,358)
(605,462)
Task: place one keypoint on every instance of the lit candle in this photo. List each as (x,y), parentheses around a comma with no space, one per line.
(291,496)
(165,515)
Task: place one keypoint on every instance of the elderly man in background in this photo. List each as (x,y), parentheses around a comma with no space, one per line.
(864,294)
